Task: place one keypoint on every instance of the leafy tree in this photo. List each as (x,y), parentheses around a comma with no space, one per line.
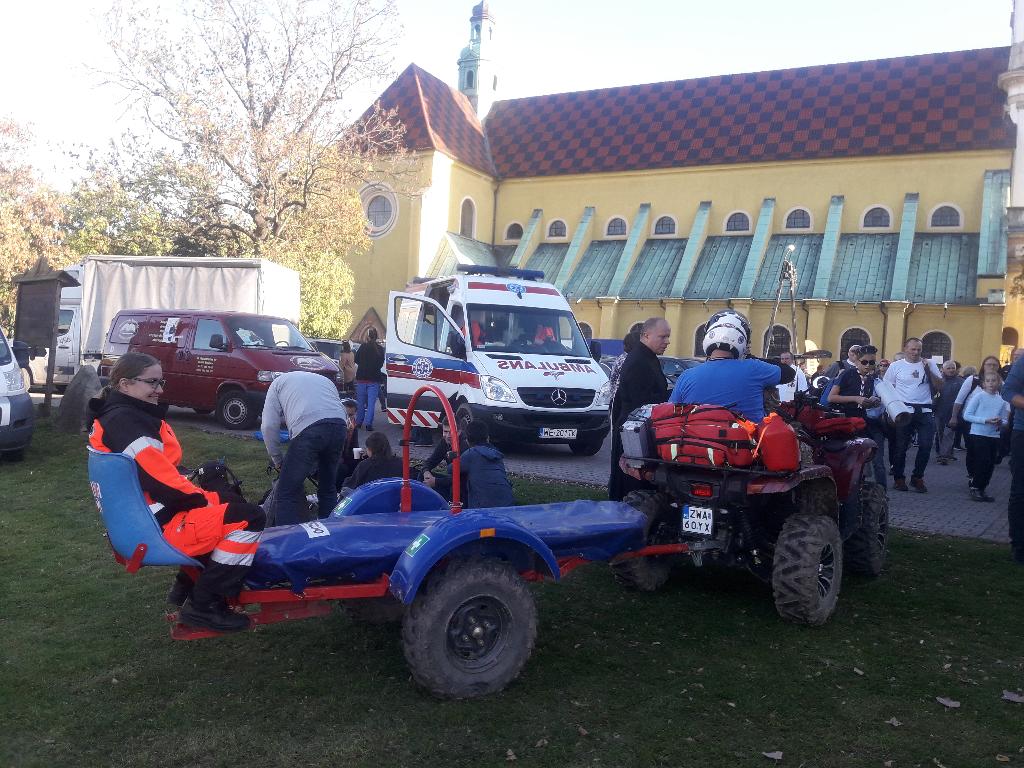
(245,98)
(30,217)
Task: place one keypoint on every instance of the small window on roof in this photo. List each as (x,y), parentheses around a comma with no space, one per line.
(798,219)
(946,216)
(514,232)
(616,227)
(738,222)
(556,228)
(666,225)
(877,217)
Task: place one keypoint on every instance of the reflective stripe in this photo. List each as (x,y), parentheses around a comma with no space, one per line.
(244,537)
(155,507)
(237,547)
(135,447)
(229,558)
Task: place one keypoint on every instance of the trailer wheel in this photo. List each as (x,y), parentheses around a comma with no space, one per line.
(470,630)
(646,574)
(808,568)
(865,550)
(235,411)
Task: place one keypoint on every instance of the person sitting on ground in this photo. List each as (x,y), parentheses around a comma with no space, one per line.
(987,412)
(347,463)
(223,531)
(441,455)
(482,471)
(729,378)
(380,462)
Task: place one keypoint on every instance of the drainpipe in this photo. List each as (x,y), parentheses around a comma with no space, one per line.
(807,320)
(885,323)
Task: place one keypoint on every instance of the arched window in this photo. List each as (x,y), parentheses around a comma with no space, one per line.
(737,222)
(467,224)
(616,227)
(587,330)
(666,225)
(850,337)
(469,78)
(514,232)
(946,216)
(556,228)
(698,340)
(798,218)
(1010,337)
(937,344)
(778,340)
(877,218)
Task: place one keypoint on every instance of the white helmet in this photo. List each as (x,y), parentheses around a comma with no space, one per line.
(727,336)
(730,316)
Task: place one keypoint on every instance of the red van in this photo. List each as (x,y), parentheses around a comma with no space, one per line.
(215,361)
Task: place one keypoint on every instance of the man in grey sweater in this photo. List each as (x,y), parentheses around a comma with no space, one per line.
(309,405)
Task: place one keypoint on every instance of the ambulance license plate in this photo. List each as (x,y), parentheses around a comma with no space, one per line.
(698,520)
(549,433)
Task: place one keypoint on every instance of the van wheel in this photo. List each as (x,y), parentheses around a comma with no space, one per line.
(235,411)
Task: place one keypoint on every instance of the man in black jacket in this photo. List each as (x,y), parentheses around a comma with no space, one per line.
(641,382)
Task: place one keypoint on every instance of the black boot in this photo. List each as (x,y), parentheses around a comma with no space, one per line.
(213,614)
(181,589)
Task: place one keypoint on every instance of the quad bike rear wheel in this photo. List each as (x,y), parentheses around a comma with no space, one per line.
(865,550)
(645,574)
(808,568)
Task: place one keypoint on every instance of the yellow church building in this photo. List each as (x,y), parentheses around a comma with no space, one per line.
(885,181)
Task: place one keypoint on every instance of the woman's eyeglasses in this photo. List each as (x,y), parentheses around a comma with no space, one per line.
(154,383)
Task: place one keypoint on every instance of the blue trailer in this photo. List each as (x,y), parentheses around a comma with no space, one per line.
(458,578)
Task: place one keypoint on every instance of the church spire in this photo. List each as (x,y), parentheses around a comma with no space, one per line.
(478,77)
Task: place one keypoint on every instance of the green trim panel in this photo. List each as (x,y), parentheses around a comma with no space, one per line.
(548,258)
(719,268)
(519,257)
(629,250)
(574,247)
(864,267)
(755,257)
(944,268)
(908,225)
(455,249)
(593,274)
(804,258)
(992,243)
(651,276)
(829,246)
(692,251)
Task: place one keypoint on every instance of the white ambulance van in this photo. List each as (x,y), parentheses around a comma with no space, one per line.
(504,348)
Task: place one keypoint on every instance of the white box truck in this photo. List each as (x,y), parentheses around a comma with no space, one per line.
(109,284)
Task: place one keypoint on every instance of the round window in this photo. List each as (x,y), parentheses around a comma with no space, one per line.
(381,210)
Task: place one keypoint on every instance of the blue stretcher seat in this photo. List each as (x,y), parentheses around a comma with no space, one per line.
(355,548)
(130,524)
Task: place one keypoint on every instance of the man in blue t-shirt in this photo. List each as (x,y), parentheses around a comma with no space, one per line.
(729,378)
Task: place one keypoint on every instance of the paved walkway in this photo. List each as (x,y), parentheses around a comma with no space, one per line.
(946,509)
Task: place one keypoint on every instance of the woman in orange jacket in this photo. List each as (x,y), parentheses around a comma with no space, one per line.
(221,531)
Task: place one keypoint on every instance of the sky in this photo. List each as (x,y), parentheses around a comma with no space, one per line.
(52,49)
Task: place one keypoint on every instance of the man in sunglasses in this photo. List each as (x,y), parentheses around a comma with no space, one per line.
(914,380)
(854,393)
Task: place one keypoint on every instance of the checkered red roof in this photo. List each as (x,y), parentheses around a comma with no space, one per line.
(939,102)
(437,117)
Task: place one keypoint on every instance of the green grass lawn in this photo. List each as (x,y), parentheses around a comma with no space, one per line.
(702,673)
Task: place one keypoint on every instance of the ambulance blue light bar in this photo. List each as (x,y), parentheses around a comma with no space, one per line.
(521,274)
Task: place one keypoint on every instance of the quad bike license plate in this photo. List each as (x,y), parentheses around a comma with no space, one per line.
(698,520)
(563,434)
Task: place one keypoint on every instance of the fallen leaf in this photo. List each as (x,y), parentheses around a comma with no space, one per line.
(888,764)
(541,743)
(511,756)
(731,704)
(583,731)
(858,671)
(773,755)
(940,765)
(946,666)
(948,703)
(893,722)
(1016,698)
(1002,759)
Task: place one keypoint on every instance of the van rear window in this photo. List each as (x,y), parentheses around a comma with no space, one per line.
(526,330)
(122,331)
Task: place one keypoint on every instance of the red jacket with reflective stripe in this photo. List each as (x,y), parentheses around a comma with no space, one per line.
(136,428)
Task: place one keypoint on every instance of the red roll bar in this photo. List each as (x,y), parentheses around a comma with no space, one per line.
(406,494)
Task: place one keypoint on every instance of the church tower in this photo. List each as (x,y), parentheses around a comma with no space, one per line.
(478,76)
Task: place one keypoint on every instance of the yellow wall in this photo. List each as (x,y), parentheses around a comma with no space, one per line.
(466,182)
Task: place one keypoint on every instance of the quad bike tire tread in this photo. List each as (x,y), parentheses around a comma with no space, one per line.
(806,542)
(645,574)
(866,549)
